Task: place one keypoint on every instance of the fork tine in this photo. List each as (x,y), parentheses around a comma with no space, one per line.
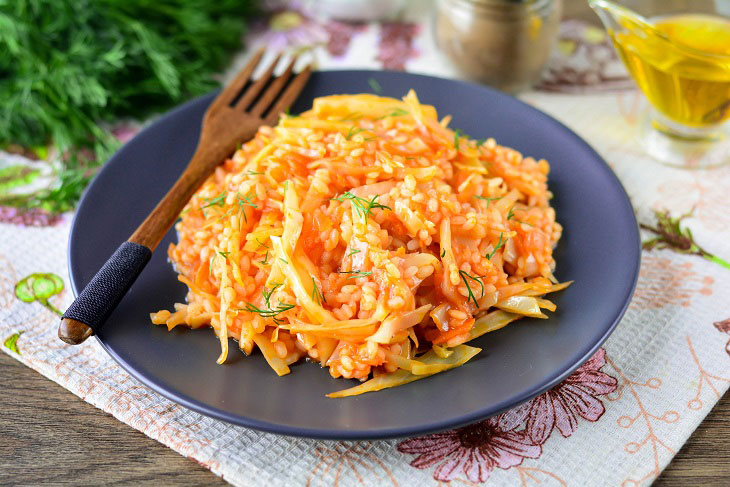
(253,91)
(230,92)
(288,97)
(271,93)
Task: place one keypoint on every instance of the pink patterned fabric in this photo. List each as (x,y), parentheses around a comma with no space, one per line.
(618,420)
(503,441)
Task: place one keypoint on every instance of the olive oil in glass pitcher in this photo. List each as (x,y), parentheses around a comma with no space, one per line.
(681,62)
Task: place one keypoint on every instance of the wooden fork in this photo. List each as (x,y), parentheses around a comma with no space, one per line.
(234,116)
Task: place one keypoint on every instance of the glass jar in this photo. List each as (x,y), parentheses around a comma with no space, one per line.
(502,43)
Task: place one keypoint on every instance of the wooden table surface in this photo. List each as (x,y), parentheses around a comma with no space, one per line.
(50,436)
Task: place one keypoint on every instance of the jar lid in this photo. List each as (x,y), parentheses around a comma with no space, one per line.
(504,7)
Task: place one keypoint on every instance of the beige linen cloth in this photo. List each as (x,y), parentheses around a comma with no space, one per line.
(617,421)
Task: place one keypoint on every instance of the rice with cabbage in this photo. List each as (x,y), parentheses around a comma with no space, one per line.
(369,237)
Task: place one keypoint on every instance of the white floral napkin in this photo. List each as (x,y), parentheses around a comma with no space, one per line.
(617,421)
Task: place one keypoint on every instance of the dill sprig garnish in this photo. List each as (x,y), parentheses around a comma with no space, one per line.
(457,135)
(353,252)
(363,206)
(261,244)
(511,213)
(266,259)
(269,311)
(219,200)
(395,112)
(670,235)
(353,131)
(317,294)
(488,200)
(212,260)
(268,292)
(284,261)
(356,274)
(375,86)
(500,244)
(253,173)
(464,276)
(242,203)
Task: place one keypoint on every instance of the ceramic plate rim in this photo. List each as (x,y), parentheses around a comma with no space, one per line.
(395,432)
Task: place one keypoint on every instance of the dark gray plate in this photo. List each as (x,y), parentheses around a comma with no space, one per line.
(599,250)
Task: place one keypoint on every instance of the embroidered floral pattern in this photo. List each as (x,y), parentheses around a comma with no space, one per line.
(724,326)
(395,46)
(504,441)
(34,217)
(576,397)
(340,34)
(472,451)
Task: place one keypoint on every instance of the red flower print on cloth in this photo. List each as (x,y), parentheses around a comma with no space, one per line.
(395,46)
(472,451)
(503,441)
(575,397)
(724,326)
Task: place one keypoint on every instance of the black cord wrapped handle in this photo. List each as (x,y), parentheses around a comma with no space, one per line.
(107,288)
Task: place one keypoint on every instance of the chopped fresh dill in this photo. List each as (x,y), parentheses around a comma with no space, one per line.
(500,244)
(368,139)
(363,206)
(353,252)
(488,200)
(224,254)
(480,142)
(266,259)
(457,135)
(267,294)
(267,312)
(525,223)
(254,173)
(443,253)
(317,294)
(356,274)
(395,112)
(261,244)
(284,261)
(511,213)
(242,202)
(375,86)
(464,277)
(210,266)
(353,131)
(219,200)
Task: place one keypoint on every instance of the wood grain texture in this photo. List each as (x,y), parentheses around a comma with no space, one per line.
(49,436)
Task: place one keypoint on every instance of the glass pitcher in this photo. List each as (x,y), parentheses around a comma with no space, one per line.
(678,52)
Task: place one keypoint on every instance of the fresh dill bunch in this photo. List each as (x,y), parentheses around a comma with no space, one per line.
(68,68)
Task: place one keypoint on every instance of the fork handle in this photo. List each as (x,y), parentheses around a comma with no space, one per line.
(106,289)
(102,294)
